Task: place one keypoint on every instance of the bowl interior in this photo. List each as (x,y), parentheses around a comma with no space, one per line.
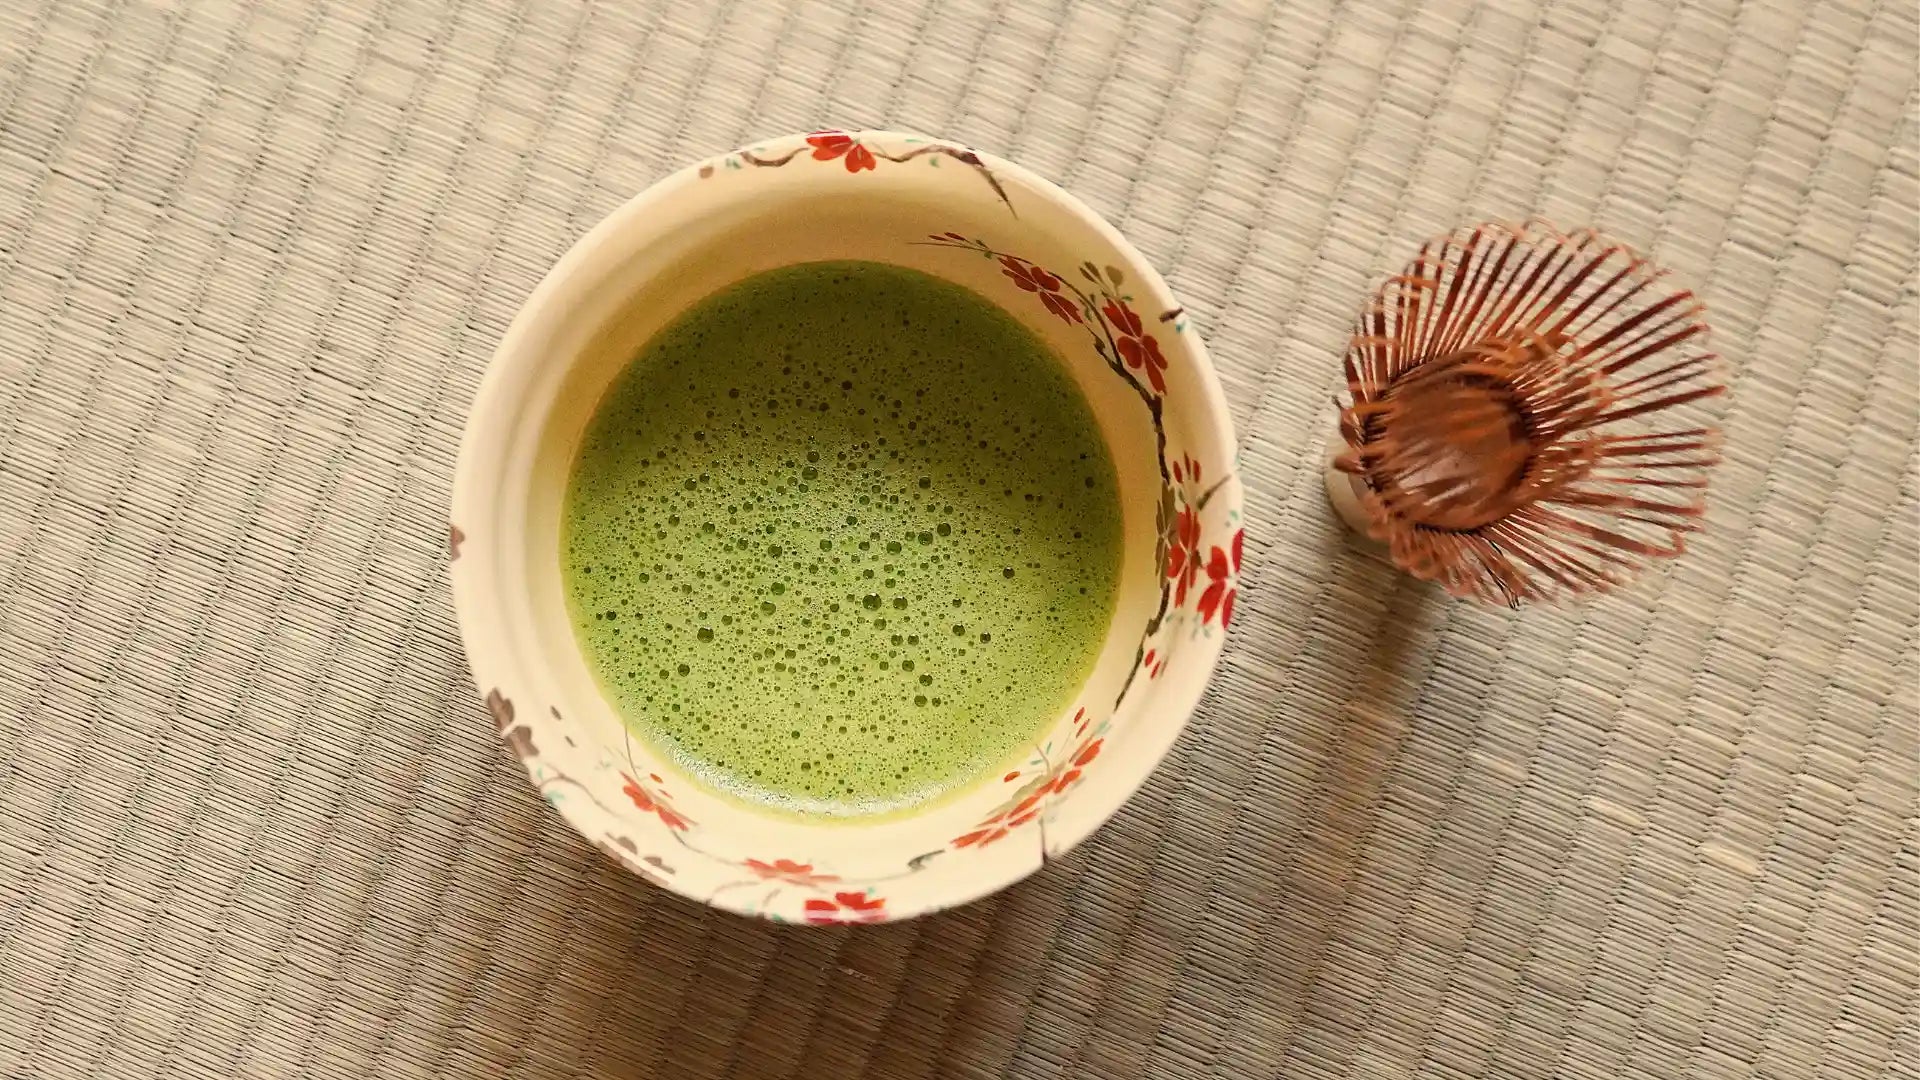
(986,226)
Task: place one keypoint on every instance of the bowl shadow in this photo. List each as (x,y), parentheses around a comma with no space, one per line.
(1075,958)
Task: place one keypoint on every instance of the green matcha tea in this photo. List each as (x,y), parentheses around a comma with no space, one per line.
(841,538)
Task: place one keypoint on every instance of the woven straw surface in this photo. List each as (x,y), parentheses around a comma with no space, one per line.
(254,255)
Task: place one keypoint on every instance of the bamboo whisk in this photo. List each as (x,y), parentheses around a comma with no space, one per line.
(1509,425)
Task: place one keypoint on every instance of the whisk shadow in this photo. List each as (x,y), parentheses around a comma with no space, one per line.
(1377,674)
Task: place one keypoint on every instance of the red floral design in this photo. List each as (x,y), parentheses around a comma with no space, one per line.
(1070,775)
(1222,569)
(1137,348)
(846,907)
(1022,806)
(1183,559)
(1035,280)
(828,145)
(1025,805)
(1186,470)
(1154,663)
(791,872)
(654,802)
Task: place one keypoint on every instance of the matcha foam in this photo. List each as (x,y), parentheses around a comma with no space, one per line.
(842,538)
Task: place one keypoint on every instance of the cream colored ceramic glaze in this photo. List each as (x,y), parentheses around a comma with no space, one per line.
(915,202)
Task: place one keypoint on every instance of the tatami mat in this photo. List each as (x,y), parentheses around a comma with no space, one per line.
(253,822)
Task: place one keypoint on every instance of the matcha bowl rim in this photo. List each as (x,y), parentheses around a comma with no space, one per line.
(981,222)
